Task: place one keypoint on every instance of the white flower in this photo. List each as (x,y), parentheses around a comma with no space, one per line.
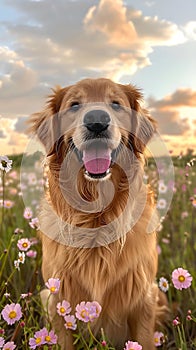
(163,284)
(17,264)
(161,203)
(21,257)
(162,187)
(5,163)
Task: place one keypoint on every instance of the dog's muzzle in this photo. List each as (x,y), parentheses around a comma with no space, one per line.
(97,153)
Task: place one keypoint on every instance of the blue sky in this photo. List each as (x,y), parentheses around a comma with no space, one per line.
(148,43)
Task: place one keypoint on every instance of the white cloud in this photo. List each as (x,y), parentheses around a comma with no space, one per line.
(16,78)
(64,41)
(59,42)
(190,30)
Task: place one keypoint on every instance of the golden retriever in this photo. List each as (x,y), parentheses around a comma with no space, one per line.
(97,220)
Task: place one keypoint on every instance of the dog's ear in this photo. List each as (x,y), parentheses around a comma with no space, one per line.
(45,124)
(143,126)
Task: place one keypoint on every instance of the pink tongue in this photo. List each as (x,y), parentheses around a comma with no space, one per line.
(97,161)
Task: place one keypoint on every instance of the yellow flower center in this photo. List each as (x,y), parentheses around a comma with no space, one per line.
(12,314)
(62,310)
(69,324)
(48,338)
(38,340)
(24,245)
(156,340)
(164,285)
(84,313)
(53,289)
(181,278)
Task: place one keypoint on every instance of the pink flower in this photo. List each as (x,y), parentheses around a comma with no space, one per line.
(158,338)
(46,336)
(2,341)
(175,322)
(12,313)
(34,240)
(31,254)
(181,278)
(132,345)
(70,322)
(51,337)
(23,244)
(165,240)
(43,337)
(159,250)
(39,339)
(184,188)
(24,295)
(7,295)
(9,346)
(53,284)
(88,311)
(188,317)
(8,204)
(184,214)
(28,213)
(103,343)
(63,308)
(18,230)
(34,223)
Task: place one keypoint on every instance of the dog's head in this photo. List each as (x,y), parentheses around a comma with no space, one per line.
(94,118)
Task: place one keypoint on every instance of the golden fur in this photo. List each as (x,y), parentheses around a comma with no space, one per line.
(118,273)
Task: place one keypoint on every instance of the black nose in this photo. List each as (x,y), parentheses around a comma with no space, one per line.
(96,120)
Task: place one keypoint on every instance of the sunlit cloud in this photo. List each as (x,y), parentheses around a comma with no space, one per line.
(175,114)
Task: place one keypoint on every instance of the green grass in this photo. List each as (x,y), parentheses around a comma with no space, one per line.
(177,246)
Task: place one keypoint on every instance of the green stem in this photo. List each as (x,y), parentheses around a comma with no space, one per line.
(183,334)
(3,185)
(91,334)
(182,343)
(81,335)
(5,258)
(8,280)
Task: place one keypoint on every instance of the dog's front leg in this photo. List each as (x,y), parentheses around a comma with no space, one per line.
(142,321)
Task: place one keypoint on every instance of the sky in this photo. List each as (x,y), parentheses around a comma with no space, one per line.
(151,44)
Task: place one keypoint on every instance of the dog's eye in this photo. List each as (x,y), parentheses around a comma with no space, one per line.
(75,106)
(116,105)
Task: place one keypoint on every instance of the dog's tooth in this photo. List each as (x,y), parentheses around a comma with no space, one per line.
(108,171)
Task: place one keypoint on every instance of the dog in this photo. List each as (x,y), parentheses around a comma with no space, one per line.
(98,218)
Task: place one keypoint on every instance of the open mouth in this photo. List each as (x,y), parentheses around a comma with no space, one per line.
(97,159)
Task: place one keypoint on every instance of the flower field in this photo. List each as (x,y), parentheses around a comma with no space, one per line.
(22,316)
